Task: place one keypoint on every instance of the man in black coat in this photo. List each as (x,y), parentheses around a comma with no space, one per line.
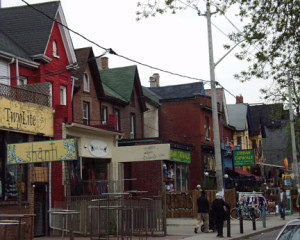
(282,202)
(203,208)
(219,213)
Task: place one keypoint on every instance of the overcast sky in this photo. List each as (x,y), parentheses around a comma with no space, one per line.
(175,43)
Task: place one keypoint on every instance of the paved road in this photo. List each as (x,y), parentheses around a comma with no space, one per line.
(271,235)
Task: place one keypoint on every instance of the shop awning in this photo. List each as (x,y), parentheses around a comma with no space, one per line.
(244,173)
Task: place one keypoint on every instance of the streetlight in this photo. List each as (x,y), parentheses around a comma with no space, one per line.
(212,65)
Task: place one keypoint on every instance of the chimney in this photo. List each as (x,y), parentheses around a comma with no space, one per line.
(239,99)
(102,63)
(154,80)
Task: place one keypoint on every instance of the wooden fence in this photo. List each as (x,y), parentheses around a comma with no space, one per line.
(184,204)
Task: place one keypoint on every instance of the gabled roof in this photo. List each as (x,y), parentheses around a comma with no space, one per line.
(180,91)
(120,82)
(7,45)
(237,114)
(267,115)
(86,57)
(29,29)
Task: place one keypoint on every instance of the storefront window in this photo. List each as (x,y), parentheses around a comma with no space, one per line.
(176,176)
(13,178)
(94,177)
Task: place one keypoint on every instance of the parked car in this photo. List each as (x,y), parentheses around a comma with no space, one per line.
(290,231)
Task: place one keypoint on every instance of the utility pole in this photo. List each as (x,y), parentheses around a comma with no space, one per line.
(217,146)
(294,150)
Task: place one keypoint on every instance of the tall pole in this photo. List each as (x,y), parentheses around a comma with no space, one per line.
(217,146)
(294,150)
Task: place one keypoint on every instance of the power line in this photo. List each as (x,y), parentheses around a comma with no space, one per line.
(109,49)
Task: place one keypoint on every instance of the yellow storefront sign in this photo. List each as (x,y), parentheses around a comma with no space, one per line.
(180,156)
(45,151)
(27,118)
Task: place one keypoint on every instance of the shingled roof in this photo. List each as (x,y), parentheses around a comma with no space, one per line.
(269,115)
(86,57)
(180,91)
(27,28)
(120,82)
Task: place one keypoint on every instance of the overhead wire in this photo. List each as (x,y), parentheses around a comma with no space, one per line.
(114,53)
(110,50)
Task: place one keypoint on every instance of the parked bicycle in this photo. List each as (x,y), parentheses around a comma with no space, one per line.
(246,212)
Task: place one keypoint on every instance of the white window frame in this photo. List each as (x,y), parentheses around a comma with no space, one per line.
(207,128)
(104,115)
(55,49)
(63,95)
(132,125)
(86,82)
(117,113)
(22,80)
(86,112)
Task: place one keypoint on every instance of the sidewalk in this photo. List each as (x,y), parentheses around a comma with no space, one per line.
(183,228)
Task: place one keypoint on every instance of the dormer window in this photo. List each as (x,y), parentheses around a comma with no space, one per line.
(55,53)
(86,82)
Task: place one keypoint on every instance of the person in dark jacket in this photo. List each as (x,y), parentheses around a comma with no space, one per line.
(219,213)
(282,202)
(203,208)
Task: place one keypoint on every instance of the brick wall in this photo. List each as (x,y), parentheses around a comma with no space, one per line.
(148,177)
(125,118)
(183,120)
(91,97)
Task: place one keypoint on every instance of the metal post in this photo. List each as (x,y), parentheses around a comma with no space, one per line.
(294,150)
(217,146)
(253,218)
(264,216)
(241,221)
(228,223)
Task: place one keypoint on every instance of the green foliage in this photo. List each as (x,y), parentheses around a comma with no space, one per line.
(272,28)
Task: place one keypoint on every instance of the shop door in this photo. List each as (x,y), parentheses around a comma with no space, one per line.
(40,210)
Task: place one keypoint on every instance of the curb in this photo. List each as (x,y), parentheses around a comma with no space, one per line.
(256,233)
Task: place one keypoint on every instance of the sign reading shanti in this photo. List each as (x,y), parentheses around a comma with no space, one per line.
(44,151)
(180,156)
(244,157)
(26,117)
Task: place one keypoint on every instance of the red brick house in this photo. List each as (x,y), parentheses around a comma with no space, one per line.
(185,116)
(96,140)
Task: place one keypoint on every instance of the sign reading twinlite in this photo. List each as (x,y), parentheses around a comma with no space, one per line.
(26,117)
(45,151)
(244,157)
(180,156)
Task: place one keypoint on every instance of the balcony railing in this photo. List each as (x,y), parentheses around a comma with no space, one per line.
(24,95)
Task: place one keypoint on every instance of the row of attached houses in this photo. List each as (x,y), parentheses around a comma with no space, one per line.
(119,135)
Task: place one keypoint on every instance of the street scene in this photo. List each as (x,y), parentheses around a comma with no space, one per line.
(95,144)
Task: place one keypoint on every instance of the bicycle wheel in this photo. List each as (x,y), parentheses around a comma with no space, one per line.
(256,213)
(234,213)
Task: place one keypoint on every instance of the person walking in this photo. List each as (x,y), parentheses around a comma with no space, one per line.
(282,202)
(219,213)
(203,208)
